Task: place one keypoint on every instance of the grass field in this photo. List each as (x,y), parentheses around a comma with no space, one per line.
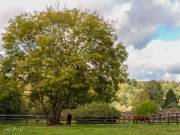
(14,129)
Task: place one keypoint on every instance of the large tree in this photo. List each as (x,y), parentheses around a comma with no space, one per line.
(65,57)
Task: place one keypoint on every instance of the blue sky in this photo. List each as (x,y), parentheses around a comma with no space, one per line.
(167,33)
(150,30)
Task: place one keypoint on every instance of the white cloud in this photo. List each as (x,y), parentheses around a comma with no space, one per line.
(158,60)
(8,14)
(136,20)
(11,8)
(145,16)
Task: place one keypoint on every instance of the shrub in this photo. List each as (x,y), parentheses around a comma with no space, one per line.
(96,110)
(146,108)
(10,101)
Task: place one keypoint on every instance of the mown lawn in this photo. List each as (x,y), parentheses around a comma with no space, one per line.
(13,129)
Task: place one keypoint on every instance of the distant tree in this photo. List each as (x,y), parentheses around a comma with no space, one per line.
(66,57)
(171,100)
(133,82)
(154,91)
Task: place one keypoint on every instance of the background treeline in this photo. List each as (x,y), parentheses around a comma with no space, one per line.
(142,97)
(164,94)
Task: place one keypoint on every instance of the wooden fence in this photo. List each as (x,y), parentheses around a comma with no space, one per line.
(22,118)
(154,119)
(166,118)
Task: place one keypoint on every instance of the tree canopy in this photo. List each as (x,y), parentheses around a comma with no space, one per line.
(65,58)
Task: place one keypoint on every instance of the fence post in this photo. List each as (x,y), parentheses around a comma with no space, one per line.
(124,120)
(26,122)
(177,118)
(153,119)
(5,120)
(168,118)
(160,118)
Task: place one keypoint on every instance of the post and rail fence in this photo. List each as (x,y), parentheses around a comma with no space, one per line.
(161,118)
(22,118)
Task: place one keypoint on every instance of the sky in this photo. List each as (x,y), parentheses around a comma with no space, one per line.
(150,30)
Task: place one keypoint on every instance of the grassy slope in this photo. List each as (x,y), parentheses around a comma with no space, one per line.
(91,130)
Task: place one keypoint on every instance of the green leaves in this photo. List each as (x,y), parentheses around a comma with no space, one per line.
(10,96)
(171,100)
(96,109)
(146,108)
(154,90)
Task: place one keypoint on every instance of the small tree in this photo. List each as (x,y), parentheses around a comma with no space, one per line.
(143,105)
(146,108)
(171,100)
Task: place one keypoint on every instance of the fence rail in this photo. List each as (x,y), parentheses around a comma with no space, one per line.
(154,119)
(23,118)
(161,118)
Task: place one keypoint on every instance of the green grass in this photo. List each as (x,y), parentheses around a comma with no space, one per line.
(14,129)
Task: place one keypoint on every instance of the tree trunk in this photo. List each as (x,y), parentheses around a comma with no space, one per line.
(53,120)
(54,116)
